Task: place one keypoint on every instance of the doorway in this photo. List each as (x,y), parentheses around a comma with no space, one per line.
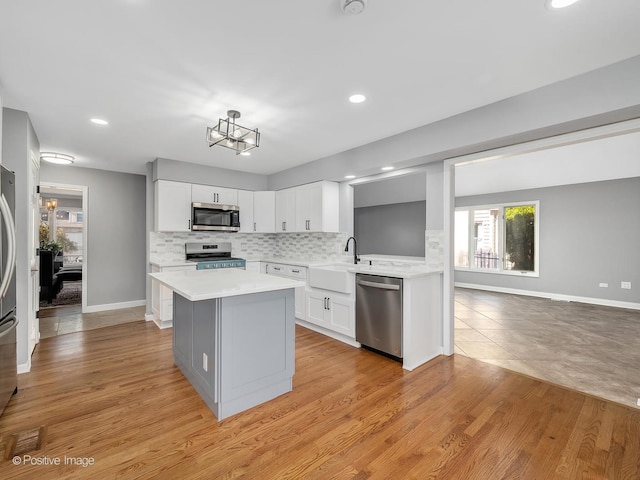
(561,323)
(63,243)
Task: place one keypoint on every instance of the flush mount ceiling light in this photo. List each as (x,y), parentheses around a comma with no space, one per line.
(386,169)
(57,158)
(349,177)
(99,121)
(357,98)
(353,7)
(556,4)
(227,133)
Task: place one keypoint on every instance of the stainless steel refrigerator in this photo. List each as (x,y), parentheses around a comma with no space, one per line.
(8,321)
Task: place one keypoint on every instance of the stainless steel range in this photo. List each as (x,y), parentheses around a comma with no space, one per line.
(212,256)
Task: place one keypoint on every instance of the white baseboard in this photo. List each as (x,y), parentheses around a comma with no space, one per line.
(113,306)
(24,367)
(149,317)
(552,296)
(328,333)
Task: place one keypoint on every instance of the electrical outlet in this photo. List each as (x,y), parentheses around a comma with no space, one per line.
(205,362)
(625,285)
(603,285)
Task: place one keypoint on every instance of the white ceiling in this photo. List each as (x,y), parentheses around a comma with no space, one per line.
(601,159)
(162,70)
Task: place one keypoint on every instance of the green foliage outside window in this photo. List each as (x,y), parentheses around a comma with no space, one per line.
(520,237)
(61,243)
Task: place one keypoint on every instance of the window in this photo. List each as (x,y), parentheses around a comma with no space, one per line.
(66,225)
(502,238)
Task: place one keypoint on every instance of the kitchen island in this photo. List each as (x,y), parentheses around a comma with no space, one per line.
(233,335)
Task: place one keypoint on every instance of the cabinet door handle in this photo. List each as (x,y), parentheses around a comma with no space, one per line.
(284,226)
(254,226)
(328,303)
(189,224)
(307,225)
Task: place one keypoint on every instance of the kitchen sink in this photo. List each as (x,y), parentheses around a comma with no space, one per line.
(332,277)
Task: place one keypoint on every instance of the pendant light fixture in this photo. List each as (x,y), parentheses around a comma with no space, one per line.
(227,133)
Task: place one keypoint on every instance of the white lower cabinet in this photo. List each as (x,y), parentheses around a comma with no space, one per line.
(291,271)
(162,297)
(331,310)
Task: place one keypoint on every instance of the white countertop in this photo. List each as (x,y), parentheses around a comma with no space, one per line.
(392,258)
(296,261)
(397,271)
(171,263)
(198,285)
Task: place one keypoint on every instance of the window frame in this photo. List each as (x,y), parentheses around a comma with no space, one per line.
(501,206)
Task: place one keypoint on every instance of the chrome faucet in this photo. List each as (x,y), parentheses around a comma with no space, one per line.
(355,249)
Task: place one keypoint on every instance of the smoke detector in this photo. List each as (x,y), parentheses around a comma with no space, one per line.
(353,7)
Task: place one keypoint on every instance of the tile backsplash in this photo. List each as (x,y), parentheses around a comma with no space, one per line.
(434,248)
(169,246)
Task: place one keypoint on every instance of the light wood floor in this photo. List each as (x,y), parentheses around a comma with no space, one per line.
(113,395)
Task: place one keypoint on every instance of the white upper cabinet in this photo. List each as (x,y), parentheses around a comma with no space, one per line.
(172,211)
(264,212)
(245,203)
(209,194)
(257,211)
(317,207)
(286,210)
(308,208)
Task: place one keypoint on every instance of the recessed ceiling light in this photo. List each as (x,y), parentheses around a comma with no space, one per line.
(57,158)
(555,4)
(349,177)
(387,168)
(99,121)
(357,98)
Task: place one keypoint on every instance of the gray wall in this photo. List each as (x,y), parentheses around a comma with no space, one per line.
(165,169)
(400,189)
(596,98)
(63,202)
(395,229)
(588,234)
(18,144)
(116,231)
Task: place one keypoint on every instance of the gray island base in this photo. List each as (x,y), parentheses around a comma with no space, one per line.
(237,351)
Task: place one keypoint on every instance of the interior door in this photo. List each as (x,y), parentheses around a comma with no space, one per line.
(33,320)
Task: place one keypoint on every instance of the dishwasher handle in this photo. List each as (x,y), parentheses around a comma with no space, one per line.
(384,286)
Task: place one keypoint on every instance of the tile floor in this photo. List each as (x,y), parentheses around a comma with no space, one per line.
(60,320)
(590,348)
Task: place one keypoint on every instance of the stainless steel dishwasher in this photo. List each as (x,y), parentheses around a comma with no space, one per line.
(379,313)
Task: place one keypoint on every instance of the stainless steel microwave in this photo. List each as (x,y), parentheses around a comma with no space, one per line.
(212,216)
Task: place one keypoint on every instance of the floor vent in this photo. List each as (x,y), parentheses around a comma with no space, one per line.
(25,442)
